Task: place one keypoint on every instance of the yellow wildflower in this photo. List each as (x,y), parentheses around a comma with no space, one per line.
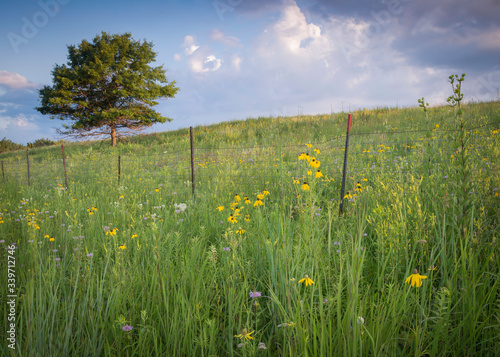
(220,208)
(232,219)
(305,187)
(319,174)
(245,335)
(415,279)
(307,280)
(122,247)
(258,202)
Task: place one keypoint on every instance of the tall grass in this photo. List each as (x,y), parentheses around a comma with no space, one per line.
(184,278)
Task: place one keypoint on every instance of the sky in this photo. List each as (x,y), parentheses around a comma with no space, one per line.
(239,59)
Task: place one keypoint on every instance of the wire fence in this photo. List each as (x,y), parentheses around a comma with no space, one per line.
(394,154)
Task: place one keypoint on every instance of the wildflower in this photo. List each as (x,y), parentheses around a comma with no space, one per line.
(319,174)
(258,202)
(90,255)
(121,196)
(237,198)
(302,156)
(255,294)
(305,187)
(227,249)
(240,230)
(46,236)
(432,268)
(220,208)
(309,145)
(247,218)
(122,247)
(262,346)
(134,236)
(247,200)
(415,279)
(245,335)
(307,280)
(260,196)
(266,192)
(52,239)
(127,328)
(309,172)
(348,195)
(58,259)
(296,181)
(358,188)
(232,219)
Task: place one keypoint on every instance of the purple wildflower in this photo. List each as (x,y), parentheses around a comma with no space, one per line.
(255,294)
(127,327)
(227,249)
(90,255)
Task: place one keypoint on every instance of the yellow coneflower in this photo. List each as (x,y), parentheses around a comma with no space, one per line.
(415,279)
(258,202)
(232,219)
(134,236)
(245,335)
(220,208)
(307,280)
(348,196)
(247,218)
(266,192)
(240,230)
(122,247)
(305,187)
(52,239)
(319,174)
(247,200)
(260,196)
(316,151)
(296,181)
(358,188)
(237,198)
(309,172)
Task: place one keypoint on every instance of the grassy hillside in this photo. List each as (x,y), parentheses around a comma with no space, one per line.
(259,261)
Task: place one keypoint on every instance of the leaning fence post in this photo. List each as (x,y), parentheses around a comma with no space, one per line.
(64,165)
(345,165)
(28,163)
(192,156)
(119,169)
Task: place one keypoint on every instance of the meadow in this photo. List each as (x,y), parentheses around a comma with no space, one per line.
(259,262)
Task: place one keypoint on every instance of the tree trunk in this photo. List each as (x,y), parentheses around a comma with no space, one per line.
(113,136)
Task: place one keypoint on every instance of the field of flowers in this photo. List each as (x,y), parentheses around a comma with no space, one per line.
(259,261)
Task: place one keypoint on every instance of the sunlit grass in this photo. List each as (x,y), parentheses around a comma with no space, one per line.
(133,271)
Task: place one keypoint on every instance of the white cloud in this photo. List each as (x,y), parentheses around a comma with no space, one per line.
(236,62)
(177,57)
(209,64)
(15,81)
(227,40)
(189,46)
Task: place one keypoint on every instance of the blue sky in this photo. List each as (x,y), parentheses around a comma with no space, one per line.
(235,59)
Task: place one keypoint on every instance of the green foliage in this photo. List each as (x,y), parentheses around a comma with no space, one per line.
(107,87)
(8,145)
(43,142)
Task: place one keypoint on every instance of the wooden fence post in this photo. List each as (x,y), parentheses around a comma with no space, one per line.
(64,165)
(28,163)
(192,157)
(345,165)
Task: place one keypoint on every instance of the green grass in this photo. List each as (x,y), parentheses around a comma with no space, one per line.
(184,282)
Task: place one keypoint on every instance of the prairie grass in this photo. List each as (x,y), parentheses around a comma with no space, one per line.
(185,278)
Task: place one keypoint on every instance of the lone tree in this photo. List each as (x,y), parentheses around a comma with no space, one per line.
(107,87)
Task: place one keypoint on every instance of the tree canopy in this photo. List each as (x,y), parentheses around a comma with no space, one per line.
(107,87)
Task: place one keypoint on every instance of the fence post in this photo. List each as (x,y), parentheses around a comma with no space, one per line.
(28,162)
(192,157)
(345,165)
(119,169)
(64,165)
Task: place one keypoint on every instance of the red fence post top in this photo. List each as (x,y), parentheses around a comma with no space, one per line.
(349,123)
